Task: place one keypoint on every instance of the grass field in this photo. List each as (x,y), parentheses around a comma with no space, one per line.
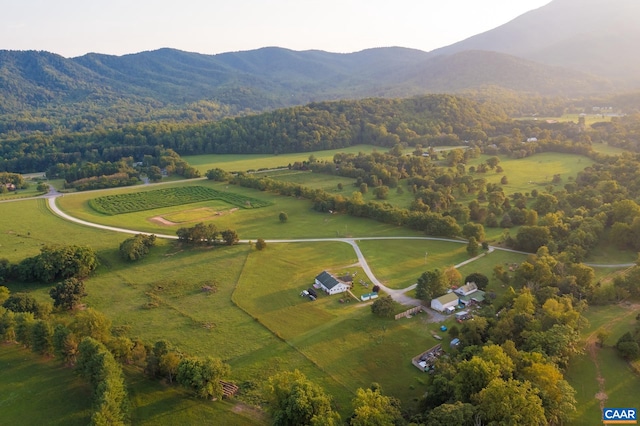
(38,391)
(603,365)
(244,162)
(536,172)
(35,390)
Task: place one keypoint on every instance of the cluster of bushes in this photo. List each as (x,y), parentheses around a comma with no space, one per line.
(104,181)
(135,248)
(52,264)
(207,234)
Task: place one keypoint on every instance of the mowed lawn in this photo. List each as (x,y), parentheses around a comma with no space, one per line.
(38,391)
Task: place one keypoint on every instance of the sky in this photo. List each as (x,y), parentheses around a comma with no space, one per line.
(75,27)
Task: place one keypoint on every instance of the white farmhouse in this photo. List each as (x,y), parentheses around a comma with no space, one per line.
(330,284)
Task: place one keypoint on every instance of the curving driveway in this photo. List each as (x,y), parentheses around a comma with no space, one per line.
(399,295)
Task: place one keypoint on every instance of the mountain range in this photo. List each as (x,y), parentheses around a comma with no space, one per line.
(568,47)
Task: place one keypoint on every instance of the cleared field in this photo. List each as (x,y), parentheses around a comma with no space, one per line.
(36,391)
(168,197)
(28,225)
(399,263)
(303,221)
(535,172)
(244,162)
(309,179)
(601,369)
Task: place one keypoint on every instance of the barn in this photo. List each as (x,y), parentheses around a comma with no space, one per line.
(443,303)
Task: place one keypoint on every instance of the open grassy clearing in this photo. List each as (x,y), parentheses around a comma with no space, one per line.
(28,225)
(399,263)
(535,172)
(35,390)
(620,383)
(38,391)
(309,179)
(154,403)
(249,223)
(244,162)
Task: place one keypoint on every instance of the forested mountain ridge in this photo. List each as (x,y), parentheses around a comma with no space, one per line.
(42,91)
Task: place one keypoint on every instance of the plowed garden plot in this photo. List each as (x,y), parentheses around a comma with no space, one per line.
(168,197)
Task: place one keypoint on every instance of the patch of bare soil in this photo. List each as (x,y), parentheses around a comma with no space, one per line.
(162,221)
(249,411)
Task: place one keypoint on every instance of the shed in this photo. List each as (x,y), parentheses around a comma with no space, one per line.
(440,304)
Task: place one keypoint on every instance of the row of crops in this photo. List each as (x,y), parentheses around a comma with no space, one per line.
(168,197)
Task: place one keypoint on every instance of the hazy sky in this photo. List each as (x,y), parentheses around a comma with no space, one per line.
(75,27)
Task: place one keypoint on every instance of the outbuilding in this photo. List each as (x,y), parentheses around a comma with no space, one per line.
(442,303)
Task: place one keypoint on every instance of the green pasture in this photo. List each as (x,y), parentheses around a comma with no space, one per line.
(155,403)
(244,162)
(28,225)
(399,263)
(264,222)
(535,172)
(309,179)
(35,390)
(343,340)
(621,383)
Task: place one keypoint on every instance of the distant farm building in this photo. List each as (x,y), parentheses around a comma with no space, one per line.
(330,284)
(445,303)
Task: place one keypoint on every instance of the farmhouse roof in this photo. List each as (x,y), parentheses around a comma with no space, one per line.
(447,298)
(466,289)
(478,296)
(327,280)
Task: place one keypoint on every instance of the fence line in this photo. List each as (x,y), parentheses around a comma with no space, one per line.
(411,311)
